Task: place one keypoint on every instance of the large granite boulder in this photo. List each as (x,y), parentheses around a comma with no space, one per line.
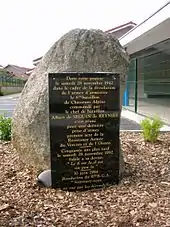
(79,50)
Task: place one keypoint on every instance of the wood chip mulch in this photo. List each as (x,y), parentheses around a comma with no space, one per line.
(141,199)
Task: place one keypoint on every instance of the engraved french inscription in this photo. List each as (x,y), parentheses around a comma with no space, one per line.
(84,119)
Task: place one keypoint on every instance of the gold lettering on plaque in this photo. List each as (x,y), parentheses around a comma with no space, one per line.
(85,110)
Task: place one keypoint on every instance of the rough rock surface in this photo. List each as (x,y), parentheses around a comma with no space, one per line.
(79,50)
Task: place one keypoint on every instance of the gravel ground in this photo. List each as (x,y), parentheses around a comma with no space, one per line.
(141,199)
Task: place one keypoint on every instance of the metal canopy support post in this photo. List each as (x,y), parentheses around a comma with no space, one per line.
(126,95)
(136,85)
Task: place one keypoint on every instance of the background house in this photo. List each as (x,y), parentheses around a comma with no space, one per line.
(122,29)
(12,79)
(17,71)
(36,61)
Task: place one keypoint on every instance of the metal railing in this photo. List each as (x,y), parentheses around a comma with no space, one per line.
(8,81)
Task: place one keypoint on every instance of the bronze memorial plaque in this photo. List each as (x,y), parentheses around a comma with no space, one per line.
(84,116)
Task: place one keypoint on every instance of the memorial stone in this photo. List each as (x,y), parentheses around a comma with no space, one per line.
(79,50)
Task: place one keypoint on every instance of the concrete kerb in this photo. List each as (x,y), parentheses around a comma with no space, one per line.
(138,118)
(10,96)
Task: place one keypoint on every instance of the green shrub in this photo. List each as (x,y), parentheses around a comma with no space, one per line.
(151,128)
(5,128)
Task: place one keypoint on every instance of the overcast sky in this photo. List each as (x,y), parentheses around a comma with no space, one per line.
(28,28)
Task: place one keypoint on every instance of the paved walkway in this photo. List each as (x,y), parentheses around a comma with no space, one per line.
(152,107)
(7,104)
(129,120)
(138,118)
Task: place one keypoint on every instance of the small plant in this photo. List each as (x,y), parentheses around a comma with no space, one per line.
(151,128)
(5,128)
